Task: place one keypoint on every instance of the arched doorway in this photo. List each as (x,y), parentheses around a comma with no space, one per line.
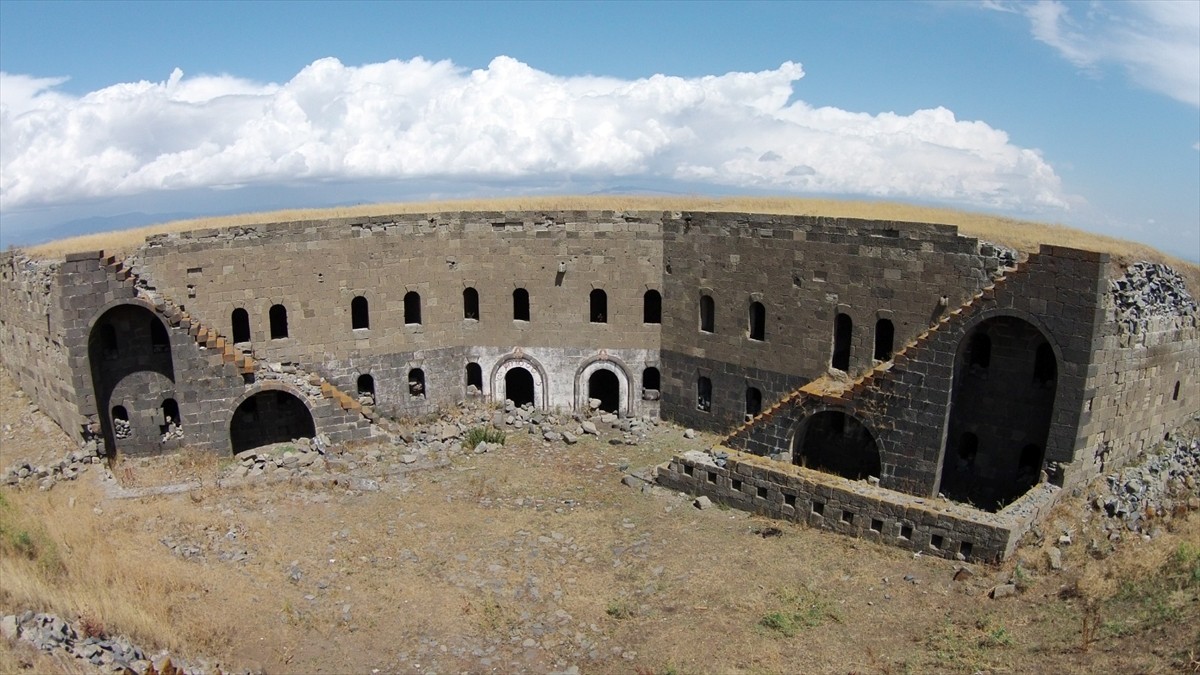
(267,417)
(518,386)
(1002,403)
(604,386)
(834,442)
(129,356)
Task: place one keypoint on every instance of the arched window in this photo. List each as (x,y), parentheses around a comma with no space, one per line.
(758,321)
(241,325)
(704,394)
(652,307)
(1045,366)
(753,401)
(170,416)
(474,379)
(416,383)
(651,379)
(520,305)
(598,306)
(159,340)
(843,328)
(707,310)
(979,351)
(279,322)
(412,308)
(360,315)
(470,304)
(120,422)
(1175,394)
(366,386)
(885,339)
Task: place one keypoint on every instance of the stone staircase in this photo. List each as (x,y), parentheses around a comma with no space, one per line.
(834,390)
(221,347)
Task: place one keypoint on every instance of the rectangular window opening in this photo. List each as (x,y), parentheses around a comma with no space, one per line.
(876,525)
(762,492)
(848,517)
(736,485)
(688,470)
(965,549)
(936,541)
(818,508)
(906,531)
(712,477)
(790,500)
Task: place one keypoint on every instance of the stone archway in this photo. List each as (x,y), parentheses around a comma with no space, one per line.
(1002,404)
(606,379)
(836,442)
(269,416)
(529,386)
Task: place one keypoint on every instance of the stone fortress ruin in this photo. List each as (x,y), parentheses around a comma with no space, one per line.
(861,368)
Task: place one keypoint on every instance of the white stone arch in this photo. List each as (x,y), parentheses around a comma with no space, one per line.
(540,391)
(604,362)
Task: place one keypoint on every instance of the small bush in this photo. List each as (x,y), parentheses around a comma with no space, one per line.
(478,435)
(619,609)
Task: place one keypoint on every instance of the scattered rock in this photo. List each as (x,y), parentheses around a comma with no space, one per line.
(1003,591)
(702,502)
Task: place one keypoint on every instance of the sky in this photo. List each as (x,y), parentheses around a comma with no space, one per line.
(1085,114)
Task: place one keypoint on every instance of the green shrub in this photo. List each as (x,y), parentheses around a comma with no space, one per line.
(478,435)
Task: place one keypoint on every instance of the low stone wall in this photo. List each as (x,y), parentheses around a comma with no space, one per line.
(857,508)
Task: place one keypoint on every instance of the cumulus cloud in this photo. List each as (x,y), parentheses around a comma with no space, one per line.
(419,119)
(1156,42)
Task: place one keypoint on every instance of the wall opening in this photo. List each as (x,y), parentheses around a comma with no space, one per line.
(843,329)
(1175,393)
(170,416)
(520,305)
(598,306)
(269,417)
(360,315)
(120,422)
(704,394)
(837,443)
(604,386)
(885,339)
(518,386)
(279,322)
(412,308)
(758,321)
(753,402)
(652,307)
(1001,406)
(651,384)
(707,314)
(470,304)
(474,379)
(416,383)
(366,387)
(240,320)
(160,341)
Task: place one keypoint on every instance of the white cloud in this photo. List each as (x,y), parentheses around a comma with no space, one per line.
(419,119)
(1156,42)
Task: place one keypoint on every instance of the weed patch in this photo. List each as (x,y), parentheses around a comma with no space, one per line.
(801,609)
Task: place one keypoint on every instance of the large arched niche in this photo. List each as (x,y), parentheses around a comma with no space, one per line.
(529,386)
(1002,403)
(606,379)
(129,352)
(835,441)
(270,415)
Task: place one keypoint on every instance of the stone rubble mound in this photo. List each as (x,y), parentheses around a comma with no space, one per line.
(1150,290)
(69,467)
(109,654)
(1138,499)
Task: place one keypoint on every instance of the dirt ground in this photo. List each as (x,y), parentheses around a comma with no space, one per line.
(536,558)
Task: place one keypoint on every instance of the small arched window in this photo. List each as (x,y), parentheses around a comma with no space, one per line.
(474,379)
(598,306)
(366,386)
(758,321)
(241,325)
(279,322)
(843,329)
(412,308)
(651,384)
(170,416)
(360,315)
(707,312)
(885,338)
(416,383)
(704,394)
(652,307)
(753,401)
(520,305)
(470,304)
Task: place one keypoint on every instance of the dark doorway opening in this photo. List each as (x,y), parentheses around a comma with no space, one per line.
(360,315)
(269,417)
(412,308)
(279,322)
(837,443)
(605,386)
(366,387)
(704,394)
(518,386)
(170,416)
(520,305)
(241,325)
(708,312)
(474,379)
(652,307)
(753,401)
(416,383)
(885,339)
(651,385)
(758,321)
(843,329)
(470,304)
(598,306)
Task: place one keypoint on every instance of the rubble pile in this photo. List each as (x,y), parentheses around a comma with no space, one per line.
(118,654)
(46,475)
(1150,290)
(1138,499)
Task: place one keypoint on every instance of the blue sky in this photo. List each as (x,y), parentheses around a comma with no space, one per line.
(1085,114)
